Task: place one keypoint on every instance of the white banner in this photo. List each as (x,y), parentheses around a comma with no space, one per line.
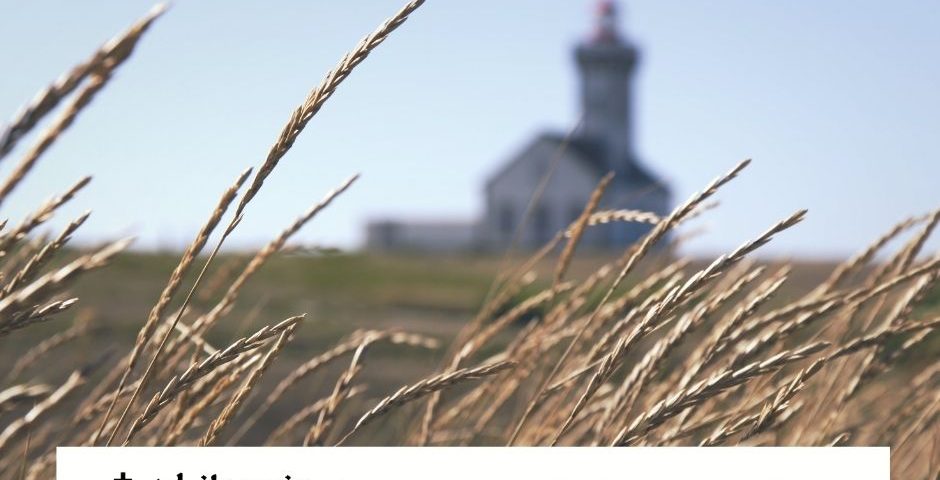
(471,463)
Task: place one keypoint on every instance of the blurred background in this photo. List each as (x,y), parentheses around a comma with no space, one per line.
(459,120)
(836,102)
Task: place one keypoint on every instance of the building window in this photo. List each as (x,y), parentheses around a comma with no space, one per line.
(541,224)
(506,220)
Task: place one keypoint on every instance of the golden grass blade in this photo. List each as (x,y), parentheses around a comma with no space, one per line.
(42,257)
(564,261)
(17,394)
(31,357)
(604,217)
(18,309)
(111,53)
(263,255)
(666,306)
(176,279)
(203,368)
(236,402)
(472,345)
(204,395)
(99,77)
(633,256)
(317,434)
(319,95)
(304,414)
(75,380)
(695,394)
(429,385)
(318,362)
(40,216)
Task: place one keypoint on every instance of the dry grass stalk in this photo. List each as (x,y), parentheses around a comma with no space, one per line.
(18,394)
(204,395)
(721,339)
(515,314)
(318,96)
(98,78)
(634,254)
(40,216)
(865,370)
(205,321)
(156,313)
(429,385)
(489,308)
(604,343)
(114,52)
(666,306)
(603,217)
(236,402)
(92,410)
(463,407)
(843,270)
(473,345)
(739,385)
(19,256)
(924,422)
(635,302)
(17,427)
(705,389)
(674,218)
(772,410)
(577,230)
(263,255)
(749,350)
(42,349)
(305,414)
(300,117)
(18,311)
(721,265)
(201,369)
(42,257)
(630,389)
(318,362)
(317,433)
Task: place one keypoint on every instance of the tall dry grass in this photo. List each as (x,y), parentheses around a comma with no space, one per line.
(641,351)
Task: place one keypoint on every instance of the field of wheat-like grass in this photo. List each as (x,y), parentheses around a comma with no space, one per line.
(645,350)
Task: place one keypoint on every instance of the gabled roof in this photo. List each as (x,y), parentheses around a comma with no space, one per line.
(591,155)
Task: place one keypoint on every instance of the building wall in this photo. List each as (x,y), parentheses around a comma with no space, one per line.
(418,236)
(508,196)
(567,193)
(606,64)
(647,198)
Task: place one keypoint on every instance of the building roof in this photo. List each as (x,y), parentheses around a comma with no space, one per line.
(590,154)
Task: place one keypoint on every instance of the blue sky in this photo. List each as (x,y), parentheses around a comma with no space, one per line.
(837,102)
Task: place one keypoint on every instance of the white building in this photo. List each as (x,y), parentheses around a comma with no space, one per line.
(606,63)
(422,236)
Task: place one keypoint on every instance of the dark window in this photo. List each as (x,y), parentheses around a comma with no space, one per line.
(506,220)
(541,224)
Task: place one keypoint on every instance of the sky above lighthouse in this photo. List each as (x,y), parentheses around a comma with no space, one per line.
(836,102)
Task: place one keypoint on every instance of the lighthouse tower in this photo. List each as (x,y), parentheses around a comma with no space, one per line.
(606,62)
(560,170)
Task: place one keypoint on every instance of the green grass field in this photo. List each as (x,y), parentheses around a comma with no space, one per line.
(339,293)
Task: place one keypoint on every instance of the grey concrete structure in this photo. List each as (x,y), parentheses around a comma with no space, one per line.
(420,236)
(603,143)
